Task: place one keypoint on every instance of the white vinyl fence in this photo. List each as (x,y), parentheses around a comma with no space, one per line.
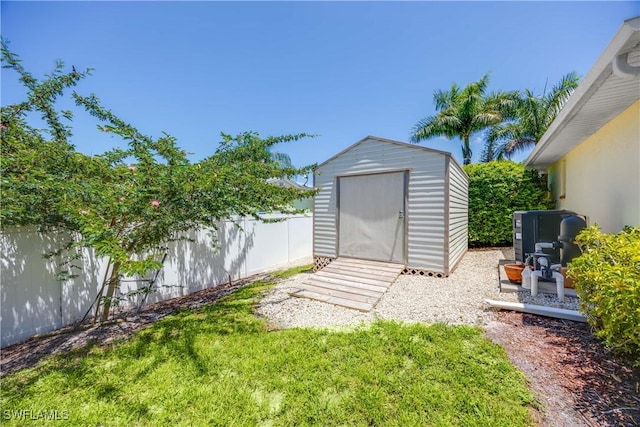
(35,302)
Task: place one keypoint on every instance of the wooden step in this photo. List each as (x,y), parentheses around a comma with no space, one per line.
(346,286)
(343,280)
(366,264)
(333,300)
(333,292)
(384,284)
(361,270)
(349,282)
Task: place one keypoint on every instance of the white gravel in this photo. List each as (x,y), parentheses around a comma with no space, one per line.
(458,299)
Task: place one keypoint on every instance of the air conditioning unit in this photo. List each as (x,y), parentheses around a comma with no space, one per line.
(531,227)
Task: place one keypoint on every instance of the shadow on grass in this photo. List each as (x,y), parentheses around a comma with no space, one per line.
(175,335)
(219,360)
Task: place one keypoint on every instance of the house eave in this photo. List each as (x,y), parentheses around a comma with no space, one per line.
(600,97)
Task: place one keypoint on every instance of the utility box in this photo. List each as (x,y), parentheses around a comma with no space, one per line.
(531,227)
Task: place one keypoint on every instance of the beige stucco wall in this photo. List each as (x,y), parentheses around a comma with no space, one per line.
(600,177)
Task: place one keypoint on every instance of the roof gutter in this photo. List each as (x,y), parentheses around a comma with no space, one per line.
(621,67)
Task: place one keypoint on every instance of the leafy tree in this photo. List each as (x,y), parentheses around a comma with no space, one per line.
(533,116)
(128,203)
(463,112)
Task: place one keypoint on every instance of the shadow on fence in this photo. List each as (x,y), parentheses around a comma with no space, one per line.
(34,301)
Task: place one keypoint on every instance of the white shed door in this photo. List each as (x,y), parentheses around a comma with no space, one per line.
(372,217)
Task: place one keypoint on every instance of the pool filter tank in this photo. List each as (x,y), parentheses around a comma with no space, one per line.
(570,226)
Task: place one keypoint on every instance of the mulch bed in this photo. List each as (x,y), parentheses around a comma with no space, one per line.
(578,380)
(575,378)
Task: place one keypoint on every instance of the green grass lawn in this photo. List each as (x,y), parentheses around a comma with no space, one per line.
(220,365)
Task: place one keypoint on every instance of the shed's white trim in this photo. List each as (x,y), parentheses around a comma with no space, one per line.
(390,141)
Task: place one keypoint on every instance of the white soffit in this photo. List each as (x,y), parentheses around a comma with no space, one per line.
(600,97)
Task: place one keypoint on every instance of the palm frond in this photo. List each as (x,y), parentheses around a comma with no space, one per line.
(446,99)
(485,119)
(506,103)
(519,144)
(482,84)
(438,125)
(560,94)
(503,131)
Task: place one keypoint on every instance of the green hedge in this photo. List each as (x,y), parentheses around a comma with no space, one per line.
(607,279)
(496,190)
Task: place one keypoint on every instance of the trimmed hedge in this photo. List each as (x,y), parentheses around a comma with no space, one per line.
(607,279)
(496,190)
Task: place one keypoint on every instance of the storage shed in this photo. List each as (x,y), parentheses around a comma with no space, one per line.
(385,200)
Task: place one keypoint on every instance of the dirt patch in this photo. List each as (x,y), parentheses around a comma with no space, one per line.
(576,379)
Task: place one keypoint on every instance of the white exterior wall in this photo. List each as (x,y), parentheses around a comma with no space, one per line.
(458,215)
(426,215)
(34,302)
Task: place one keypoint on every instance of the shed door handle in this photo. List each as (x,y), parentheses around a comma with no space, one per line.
(401,214)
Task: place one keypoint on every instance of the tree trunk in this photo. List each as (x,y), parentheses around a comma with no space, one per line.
(466,150)
(114,281)
(96,302)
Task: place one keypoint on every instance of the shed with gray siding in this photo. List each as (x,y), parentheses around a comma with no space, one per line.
(386,200)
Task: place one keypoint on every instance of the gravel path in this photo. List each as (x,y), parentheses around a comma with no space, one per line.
(458,299)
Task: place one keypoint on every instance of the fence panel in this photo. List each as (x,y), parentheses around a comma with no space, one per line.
(34,301)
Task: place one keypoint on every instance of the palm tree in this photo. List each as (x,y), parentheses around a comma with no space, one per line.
(533,116)
(283,159)
(463,112)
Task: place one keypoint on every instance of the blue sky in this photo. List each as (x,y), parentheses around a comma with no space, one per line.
(339,70)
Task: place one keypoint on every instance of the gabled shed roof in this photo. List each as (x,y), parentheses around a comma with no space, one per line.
(288,183)
(603,94)
(388,141)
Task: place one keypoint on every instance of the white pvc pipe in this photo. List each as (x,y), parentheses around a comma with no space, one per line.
(559,283)
(534,282)
(558,313)
(526,277)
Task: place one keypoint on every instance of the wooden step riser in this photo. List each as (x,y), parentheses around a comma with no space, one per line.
(331,281)
(345,287)
(333,300)
(354,261)
(373,282)
(361,272)
(367,267)
(332,292)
